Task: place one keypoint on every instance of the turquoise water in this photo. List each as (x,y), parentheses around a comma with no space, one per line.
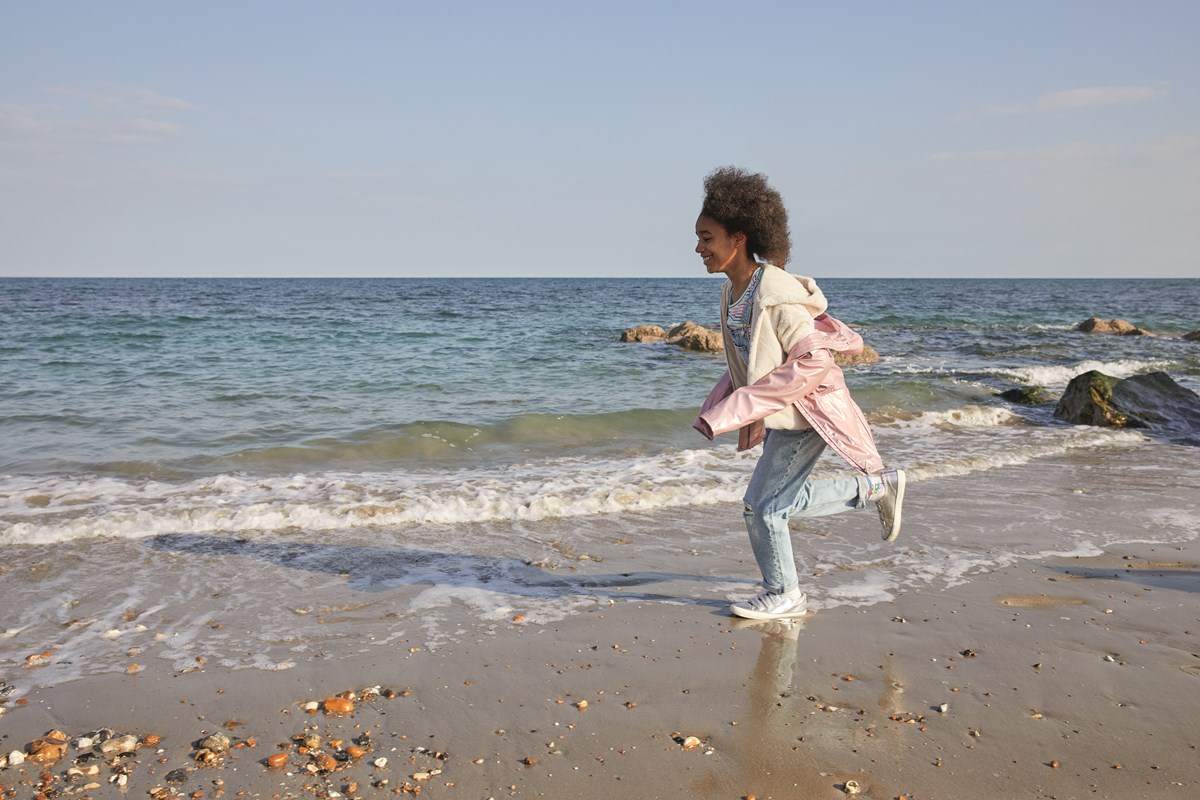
(427,458)
(130,407)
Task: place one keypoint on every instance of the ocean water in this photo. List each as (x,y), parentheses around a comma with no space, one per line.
(438,444)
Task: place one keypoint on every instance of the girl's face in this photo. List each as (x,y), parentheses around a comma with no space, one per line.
(718,247)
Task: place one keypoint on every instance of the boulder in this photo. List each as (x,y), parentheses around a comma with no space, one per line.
(1118,326)
(1027,395)
(1152,401)
(644,333)
(869,355)
(1194,336)
(691,336)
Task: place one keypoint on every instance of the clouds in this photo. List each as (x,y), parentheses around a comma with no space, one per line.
(1077,152)
(106,96)
(1097,96)
(95,114)
(1086,97)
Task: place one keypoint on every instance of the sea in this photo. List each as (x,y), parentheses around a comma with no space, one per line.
(255,472)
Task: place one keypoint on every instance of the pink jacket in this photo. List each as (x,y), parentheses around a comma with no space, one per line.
(810,381)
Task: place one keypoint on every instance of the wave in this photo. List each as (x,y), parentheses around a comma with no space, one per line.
(445,442)
(36,510)
(966,417)
(1030,448)
(69,508)
(1060,376)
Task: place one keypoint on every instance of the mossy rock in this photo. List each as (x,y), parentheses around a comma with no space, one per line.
(1027,395)
(1152,401)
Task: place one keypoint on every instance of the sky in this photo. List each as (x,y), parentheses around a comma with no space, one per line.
(411,139)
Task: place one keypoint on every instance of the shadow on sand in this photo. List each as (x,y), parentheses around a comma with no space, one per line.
(1180,577)
(374,569)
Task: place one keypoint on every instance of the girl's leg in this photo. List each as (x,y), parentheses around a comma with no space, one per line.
(779,479)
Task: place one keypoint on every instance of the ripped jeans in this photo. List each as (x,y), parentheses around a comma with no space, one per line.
(780,489)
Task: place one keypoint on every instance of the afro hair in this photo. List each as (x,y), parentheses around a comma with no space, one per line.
(743,202)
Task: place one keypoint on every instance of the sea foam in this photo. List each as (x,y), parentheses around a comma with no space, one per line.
(1060,375)
(230,504)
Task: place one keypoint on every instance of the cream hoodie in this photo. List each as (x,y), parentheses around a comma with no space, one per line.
(783,313)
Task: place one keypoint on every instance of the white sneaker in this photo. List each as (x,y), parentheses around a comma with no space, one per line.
(889,505)
(771,605)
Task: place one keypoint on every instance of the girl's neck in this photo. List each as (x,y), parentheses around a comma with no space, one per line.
(739,275)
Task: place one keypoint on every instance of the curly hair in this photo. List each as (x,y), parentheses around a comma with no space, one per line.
(743,202)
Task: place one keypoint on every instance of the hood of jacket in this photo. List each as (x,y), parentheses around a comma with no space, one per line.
(781,288)
(784,309)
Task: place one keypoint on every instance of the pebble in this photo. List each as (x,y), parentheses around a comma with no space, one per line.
(381,762)
(206,757)
(277,760)
(216,742)
(38,659)
(118,745)
(338,705)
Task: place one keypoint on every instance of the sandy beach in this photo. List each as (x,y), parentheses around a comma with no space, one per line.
(1063,677)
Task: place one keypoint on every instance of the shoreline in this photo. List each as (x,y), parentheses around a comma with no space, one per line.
(1071,677)
(1065,674)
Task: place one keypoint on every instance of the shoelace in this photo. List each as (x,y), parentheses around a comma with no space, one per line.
(760,601)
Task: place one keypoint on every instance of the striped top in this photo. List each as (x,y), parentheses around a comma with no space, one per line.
(737,317)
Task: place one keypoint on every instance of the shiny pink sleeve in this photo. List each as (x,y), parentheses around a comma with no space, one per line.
(800,375)
(718,393)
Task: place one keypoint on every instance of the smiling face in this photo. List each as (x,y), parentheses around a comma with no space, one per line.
(719,248)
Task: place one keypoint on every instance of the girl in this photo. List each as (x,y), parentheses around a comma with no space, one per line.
(782,388)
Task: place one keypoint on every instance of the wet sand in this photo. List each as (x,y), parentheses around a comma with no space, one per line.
(1076,677)
(1057,677)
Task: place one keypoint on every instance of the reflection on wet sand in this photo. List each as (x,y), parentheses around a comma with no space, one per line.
(772,751)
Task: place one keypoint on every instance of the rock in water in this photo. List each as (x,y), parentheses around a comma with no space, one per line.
(644,333)
(1117,326)
(1152,401)
(691,336)
(869,355)
(1027,395)
(700,339)
(1194,336)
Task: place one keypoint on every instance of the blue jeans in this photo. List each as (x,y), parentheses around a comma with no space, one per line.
(780,489)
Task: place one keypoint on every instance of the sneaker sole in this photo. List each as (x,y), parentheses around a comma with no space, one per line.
(749,613)
(901,480)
